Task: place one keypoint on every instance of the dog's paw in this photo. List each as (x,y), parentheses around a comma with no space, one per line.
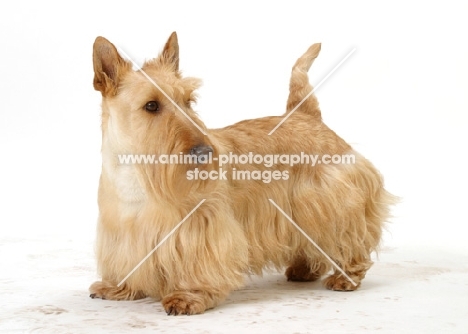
(98,290)
(341,283)
(106,290)
(182,302)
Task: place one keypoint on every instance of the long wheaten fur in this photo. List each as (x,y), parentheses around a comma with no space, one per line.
(236,231)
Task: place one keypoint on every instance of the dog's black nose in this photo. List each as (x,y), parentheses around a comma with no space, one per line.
(201,150)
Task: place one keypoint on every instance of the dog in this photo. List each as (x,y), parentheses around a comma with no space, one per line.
(238,229)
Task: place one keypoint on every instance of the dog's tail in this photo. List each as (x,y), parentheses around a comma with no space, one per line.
(301,97)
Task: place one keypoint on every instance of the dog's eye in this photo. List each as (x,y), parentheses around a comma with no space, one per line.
(152,106)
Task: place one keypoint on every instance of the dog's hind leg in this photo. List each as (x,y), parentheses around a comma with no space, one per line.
(356,270)
(303,269)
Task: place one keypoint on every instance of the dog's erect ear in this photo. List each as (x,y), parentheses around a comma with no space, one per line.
(171,50)
(108,66)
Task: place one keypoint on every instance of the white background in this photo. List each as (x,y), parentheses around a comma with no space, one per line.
(401,99)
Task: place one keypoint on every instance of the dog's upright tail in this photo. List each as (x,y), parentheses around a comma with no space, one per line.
(301,97)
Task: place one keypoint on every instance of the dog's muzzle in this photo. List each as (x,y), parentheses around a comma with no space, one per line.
(202,152)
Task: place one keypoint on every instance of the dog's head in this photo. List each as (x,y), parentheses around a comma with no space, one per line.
(148,110)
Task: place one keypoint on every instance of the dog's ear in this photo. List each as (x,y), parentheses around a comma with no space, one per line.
(171,50)
(108,66)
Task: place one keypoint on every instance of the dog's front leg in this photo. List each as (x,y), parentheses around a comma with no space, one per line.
(191,302)
(108,290)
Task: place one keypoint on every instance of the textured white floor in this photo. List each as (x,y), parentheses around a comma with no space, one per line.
(43,288)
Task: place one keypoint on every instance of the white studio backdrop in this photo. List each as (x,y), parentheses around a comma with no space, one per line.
(400,99)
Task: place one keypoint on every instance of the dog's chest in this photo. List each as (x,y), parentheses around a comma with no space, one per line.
(127,184)
(123,176)
(124,180)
